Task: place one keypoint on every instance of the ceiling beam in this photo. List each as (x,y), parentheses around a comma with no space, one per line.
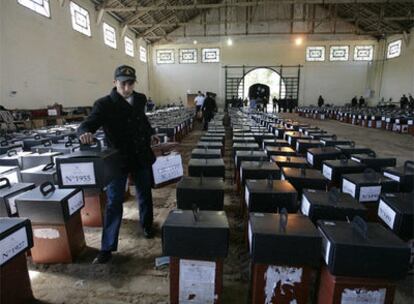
(224,4)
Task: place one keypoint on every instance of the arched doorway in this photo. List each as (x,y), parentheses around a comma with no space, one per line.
(265,76)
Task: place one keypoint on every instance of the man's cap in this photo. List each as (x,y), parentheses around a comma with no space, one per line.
(124,73)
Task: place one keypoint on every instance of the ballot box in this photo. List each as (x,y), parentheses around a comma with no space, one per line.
(6,146)
(302,178)
(15,240)
(8,193)
(404,175)
(289,161)
(315,156)
(284,249)
(91,167)
(206,167)
(13,158)
(211,145)
(257,170)
(292,137)
(282,151)
(204,193)
(66,147)
(206,153)
(245,147)
(40,174)
(332,205)
(212,139)
(36,159)
(348,150)
(270,196)
(373,161)
(302,145)
(274,143)
(332,142)
(57,227)
(334,169)
(197,242)
(243,139)
(31,141)
(12,173)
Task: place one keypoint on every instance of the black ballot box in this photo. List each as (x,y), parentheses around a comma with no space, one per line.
(334,169)
(15,239)
(245,147)
(332,205)
(42,148)
(204,193)
(332,142)
(315,156)
(363,249)
(347,150)
(57,228)
(396,211)
(285,250)
(31,141)
(8,193)
(258,170)
(404,175)
(293,136)
(211,145)
(206,167)
(243,139)
(249,156)
(36,159)
(40,174)
(13,158)
(322,135)
(91,167)
(206,153)
(7,146)
(212,139)
(373,161)
(302,145)
(197,243)
(302,178)
(282,151)
(290,161)
(66,147)
(274,143)
(192,234)
(270,196)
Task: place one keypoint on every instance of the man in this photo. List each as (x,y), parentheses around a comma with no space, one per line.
(121,114)
(150,105)
(199,101)
(403,102)
(354,102)
(361,102)
(209,107)
(274,102)
(320,101)
(410,101)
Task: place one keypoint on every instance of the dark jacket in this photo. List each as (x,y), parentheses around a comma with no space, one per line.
(126,128)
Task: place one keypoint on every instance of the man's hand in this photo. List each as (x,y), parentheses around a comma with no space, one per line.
(86,138)
(155,140)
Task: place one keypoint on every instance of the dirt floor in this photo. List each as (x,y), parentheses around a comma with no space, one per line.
(131,277)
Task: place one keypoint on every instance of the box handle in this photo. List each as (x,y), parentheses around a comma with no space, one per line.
(58,132)
(196,213)
(343,159)
(360,226)
(372,153)
(334,137)
(11,152)
(352,144)
(369,174)
(37,136)
(6,183)
(46,188)
(96,146)
(283,221)
(47,143)
(408,166)
(4,143)
(48,166)
(68,143)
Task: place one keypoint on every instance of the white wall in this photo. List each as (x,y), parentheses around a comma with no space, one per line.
(45,61)
(338,82)
(398,73)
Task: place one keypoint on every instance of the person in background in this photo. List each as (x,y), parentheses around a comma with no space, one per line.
(199,101)
(150,105)
(121,114)
(209,107)
(354,102)
(253,103)
(361,102)
(404,102)
(321,101)
(410,101)
(275,102)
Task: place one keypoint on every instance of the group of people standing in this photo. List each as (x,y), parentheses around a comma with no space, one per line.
(205,107)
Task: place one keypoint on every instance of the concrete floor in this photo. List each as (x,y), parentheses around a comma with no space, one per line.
(131,277)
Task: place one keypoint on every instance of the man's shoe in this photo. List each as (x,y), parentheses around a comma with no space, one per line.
(102,257)
(148,233)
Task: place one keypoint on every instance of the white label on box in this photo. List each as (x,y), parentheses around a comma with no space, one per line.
(297,146)
(12,204)
(392,176)
(290,140)
(327,172)
(167,168)
(282,177)
(348,187)
(369,194)
(75,202)
(13,244)
(13,177)
(52,112)
(247,196)
(250,236)
(378,124)
(386,213)
(74,174)
(356,159)
(363,296)
(46,233)
(241,174)
(197,281)
(277,277)
(305,206)
(326,246)
(309,157)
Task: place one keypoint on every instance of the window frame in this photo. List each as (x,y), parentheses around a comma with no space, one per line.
(315,47)
(108,26)
(399,41)
(340,59)
(73,3)
(171,51)
(180,59)
(363,46)
(205,60)
(126,37)
(48,15)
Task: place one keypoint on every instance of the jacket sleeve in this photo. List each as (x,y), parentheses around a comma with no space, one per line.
(146,120)
(94,121)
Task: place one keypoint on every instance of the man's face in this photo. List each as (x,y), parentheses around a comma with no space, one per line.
(124,88)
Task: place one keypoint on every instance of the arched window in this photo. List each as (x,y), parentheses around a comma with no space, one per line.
(265,76)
